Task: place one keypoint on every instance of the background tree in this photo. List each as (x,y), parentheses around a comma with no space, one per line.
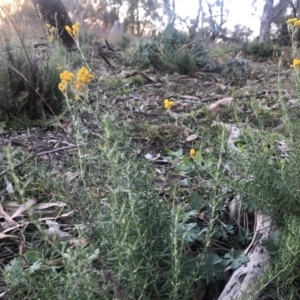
(54,13)
(169,9)
(141,14)
(195,22)
(270,13)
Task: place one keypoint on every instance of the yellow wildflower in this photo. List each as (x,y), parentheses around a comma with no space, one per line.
(51,38)
(168,104)
(74,30)
(192,152)
(291,21)
(296,63)
(69,30)
(297,23)
(58,66)
(66,76)
(84,77)
(62,86)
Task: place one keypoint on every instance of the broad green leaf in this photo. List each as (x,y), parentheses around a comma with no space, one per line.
(36,266)
(191,232)
(235,258)
(174,154)
(32,256)
(195,201)
(198,157)
(272,243)
(214,268)
(187,161)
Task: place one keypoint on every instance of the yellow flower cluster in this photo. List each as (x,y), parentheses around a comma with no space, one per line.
(296,63)
(74,30)
(168,104)
(84,77)
(293,22)
(50,27)
(51,32)
(66,78)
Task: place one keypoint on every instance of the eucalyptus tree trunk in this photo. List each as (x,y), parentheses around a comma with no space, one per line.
(270,12)
(193,28)
(54,13)
(169,9)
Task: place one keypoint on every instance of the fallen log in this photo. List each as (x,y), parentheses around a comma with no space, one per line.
(243,279)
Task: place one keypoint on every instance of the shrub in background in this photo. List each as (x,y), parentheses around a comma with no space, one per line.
(182,62)
(261,50)
(29,79)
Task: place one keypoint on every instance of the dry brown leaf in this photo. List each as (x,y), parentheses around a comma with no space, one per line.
(189,97)
(71,175)
(9,187)
(221,104)
(44,157)
(98,194)
(24,207)
(16,226)
(293,103)
(67,126)
(282,146)
(54,262)
(6,216)
(77,242)
(73,151)
(3,236)
(54,231)
(60,216)
(41,206)
(201,215)
(221,86)
(191,137)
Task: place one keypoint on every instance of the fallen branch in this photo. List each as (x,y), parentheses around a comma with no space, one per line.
(243,279)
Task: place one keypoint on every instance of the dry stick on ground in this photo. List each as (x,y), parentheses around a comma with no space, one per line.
(38,154)
(101,53)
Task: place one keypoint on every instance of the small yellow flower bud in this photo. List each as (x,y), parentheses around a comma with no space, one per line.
(168,104)
(192,152)
(69,29)
(62,87)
